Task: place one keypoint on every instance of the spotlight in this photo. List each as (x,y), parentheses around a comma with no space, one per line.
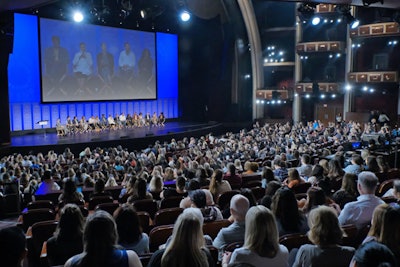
(371,90)
(345,11)
(333,95)
(185,16)
(354,23)
(257,101)
(322,96)
(365,88)
(348,87)
(78,16)
(316,20)
(307,96)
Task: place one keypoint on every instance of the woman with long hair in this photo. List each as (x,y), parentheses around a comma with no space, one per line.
(67,239)
(100,245)
(261,246)
(186,247)
(70,194)
(377,222)
(140,191)
(288,217)
(130,235)
(218,185)
(325,234)
(348,192)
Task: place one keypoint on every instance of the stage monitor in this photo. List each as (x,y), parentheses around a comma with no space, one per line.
(83,62)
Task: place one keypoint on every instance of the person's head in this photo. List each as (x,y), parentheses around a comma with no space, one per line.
(141,187)
(315,197)
(128,226)
(198,198)
(47,175)
(377,220)
(349,183)
(56,41)
(317,171)
(186,242)
(103,49)
(324,226)
(268,174)
(356,159)
(99,186)
(217,176)
(293,174)
(305,159)
(70,225)
(180,183)
(239,206)
(373,254)
(367,182)
(69,187)
(390,230)
(12,246)
(99,238)
(335,168)
(82,47)
(284,206)
(127,47)
(261,234)
(209,197)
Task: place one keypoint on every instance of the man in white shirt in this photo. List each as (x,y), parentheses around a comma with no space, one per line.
(359,212)
(126,63)
(122,119)
(82,66)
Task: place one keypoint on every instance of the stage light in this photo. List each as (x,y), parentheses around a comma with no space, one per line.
(354,23)
(78,16)
(348,87)
(316,20)
(322,96)
(365,88)
(307,96)
(333,95)
(371,90)
(185,16)
(262,101)
(296,94)
(306,11)
(257,101)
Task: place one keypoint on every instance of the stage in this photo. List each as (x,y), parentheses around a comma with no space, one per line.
(44,140)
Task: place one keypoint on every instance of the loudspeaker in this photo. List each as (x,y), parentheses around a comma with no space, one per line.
(149,134)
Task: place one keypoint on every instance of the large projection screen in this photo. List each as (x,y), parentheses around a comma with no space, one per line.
(83,62)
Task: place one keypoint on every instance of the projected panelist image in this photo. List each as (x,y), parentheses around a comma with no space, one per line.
(145,68)
(82,68)
(56,59)
(105,69)
(127,62)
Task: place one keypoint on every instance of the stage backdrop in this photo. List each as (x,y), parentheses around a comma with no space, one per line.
(26,108)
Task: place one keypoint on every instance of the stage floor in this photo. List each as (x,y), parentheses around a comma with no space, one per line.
(134,138)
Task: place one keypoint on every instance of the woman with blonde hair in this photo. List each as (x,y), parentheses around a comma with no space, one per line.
(186,247)
(377,222)
(325,234)
(261,246)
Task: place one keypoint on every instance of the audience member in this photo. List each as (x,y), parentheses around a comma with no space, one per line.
(100,239)
(348,192)
(325,234)
(373,254)
(130,234)
(67,239)
(186,247)
(12,247)
(261,246)
(359,212)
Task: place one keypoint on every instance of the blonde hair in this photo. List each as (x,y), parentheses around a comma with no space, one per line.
(324,226)
(187,242)
(261,234)
(377,220)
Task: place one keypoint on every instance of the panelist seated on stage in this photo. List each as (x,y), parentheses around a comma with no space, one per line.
(60,128)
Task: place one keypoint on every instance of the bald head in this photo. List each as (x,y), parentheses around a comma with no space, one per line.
(239,207)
